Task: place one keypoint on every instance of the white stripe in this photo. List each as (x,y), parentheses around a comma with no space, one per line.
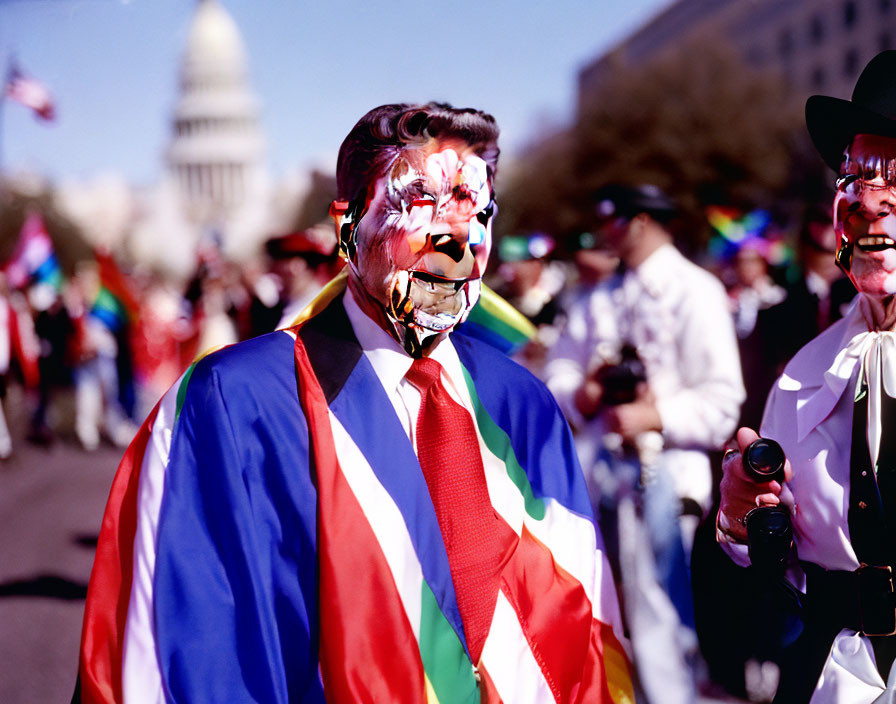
(141,674)
(509,661)
(386,521)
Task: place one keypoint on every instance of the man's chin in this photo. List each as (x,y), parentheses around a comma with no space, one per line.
(879,285)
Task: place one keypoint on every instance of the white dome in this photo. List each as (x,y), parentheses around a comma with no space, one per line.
(216,157)
(214,47)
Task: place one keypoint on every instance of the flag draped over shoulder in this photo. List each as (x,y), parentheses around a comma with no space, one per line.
(551,639)
(267,545)
(34,259)
(30,93)
(492,320)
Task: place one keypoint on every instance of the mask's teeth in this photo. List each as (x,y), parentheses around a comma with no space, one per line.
(874,243)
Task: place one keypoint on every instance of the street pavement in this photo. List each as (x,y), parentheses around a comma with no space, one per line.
(51,505)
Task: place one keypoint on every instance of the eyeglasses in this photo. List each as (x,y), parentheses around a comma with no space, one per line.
(856,182)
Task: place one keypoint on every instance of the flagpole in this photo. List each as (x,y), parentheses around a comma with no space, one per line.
(8,68)
(10,62)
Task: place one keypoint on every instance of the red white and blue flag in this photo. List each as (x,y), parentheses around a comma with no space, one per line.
(34,259)
(30,93)
(302,561)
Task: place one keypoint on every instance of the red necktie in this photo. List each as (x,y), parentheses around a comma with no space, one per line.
(475,536)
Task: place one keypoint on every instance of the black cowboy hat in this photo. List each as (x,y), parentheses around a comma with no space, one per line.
(833,122)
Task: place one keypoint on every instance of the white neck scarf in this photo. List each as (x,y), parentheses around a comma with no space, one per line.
(877,351)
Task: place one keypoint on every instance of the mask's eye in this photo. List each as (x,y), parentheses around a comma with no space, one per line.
(486,213)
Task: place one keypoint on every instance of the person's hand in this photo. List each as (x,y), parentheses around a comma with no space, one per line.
(739,493)
(629,420)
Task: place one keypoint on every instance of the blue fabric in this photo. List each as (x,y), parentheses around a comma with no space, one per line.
(236,573)
(661,510)
(236,583)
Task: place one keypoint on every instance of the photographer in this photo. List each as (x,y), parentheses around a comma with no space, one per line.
(647,372)
(675,315)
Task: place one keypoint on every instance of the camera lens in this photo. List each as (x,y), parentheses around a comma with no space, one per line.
(764,460)
(770,536)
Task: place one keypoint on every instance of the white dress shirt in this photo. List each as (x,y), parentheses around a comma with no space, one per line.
(809,412)
(676,314)
(391,363)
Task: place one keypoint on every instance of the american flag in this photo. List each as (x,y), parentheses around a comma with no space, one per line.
(30,93)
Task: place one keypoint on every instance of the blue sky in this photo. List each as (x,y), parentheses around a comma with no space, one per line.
(316,67)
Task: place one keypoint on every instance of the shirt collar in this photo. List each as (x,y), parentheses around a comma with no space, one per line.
(389,360)
(824,387)
(655,271)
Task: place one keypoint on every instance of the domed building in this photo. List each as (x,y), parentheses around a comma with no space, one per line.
(216,183)
(217,152)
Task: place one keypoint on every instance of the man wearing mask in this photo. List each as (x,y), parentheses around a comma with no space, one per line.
(367,507)
(832,413)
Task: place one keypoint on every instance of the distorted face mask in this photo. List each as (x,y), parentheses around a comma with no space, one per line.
(422,243)
(864,217)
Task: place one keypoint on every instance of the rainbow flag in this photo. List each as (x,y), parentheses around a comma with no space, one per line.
(115,304)
(735,230)
(495,321)
(34,259)
(302,560)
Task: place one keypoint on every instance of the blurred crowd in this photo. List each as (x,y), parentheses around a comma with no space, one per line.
(95,350)
(783,287)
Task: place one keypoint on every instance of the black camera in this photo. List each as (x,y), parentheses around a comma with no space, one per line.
(769,528)
(620,381)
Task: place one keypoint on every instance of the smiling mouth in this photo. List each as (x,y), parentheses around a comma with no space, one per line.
(875,243)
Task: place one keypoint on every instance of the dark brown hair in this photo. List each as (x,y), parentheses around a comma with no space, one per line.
(378,138)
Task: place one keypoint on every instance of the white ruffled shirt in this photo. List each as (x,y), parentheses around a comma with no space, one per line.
(809,412)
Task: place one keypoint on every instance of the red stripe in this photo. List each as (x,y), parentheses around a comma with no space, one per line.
(594,679)
(556,617)
(368,652)
(109,591)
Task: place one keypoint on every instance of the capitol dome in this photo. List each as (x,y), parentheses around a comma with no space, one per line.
(214,48)
(217,153)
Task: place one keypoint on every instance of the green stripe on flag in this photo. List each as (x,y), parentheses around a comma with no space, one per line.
(54,279)
(444,659)
(488,317)
(106,300)
(182,390)
(498,444)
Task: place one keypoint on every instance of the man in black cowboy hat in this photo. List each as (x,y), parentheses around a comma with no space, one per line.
(834,413)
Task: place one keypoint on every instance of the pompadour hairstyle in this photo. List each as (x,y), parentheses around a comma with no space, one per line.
(380,136)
